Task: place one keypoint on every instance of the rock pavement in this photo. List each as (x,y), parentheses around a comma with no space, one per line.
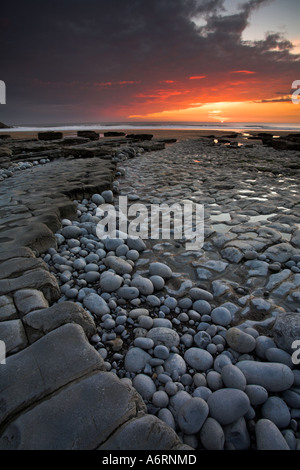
(55,390)
(191,348)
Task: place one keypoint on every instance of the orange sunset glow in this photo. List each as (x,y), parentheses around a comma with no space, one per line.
(230,111)
(178,60)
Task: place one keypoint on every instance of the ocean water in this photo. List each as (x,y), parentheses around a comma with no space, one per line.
(233,126)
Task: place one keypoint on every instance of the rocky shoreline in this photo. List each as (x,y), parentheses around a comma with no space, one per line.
(200,340)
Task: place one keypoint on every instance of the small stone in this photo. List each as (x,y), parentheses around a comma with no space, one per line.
(275,267)
(79,264)
(96,304)
(122,250)
(136,360)
(221,316)
(202,339)
(200,294)
(153,300)
(110,282)
(128,293)
(160,269)
(286,330)
(71,293)
(202,307)
(214,380)
(164,336)
(227,405)
(90,267)
(202,392)
(136,244)
(221,361)
(291,398)
(166,416)
(198,359)
(92,277)
(257,394)
(98,199)
(240,341)
(177,401)
(137,312)
(162,352)
(143,284)
(257,268)
(143,343)
(162,322)
(237,435)
(111,244)
(144,385)
(274,377)
(109,324)
(119,265)
(158,282)
(171,302)
(263,343)
(133,255)
(107,196)
(251,255)
(212,435)
(269,437)
(145,322)
(175,365)
(115,344)
(233,377)
(171,389)
(71,232)
(192,415)
(276,411)
(185,303)
(160,399)
(290,438)
(279,355)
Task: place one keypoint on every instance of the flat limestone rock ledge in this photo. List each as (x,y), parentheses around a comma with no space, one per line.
(18,252)
(13,334)
(43,195)
(33,234)
(145,433)
(80,416)
(40,322)
(15,267)
(39,279)
(55,392)
(7,309)
(27,300)
(54,361)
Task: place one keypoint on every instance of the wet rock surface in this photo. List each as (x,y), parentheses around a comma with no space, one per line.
(194,341)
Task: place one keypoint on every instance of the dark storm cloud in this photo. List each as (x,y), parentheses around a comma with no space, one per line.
(61,58)
(284,99)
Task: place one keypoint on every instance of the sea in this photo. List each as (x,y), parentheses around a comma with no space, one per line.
(118,126)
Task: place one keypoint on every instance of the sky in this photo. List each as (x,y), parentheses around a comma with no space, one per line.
(71,61)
